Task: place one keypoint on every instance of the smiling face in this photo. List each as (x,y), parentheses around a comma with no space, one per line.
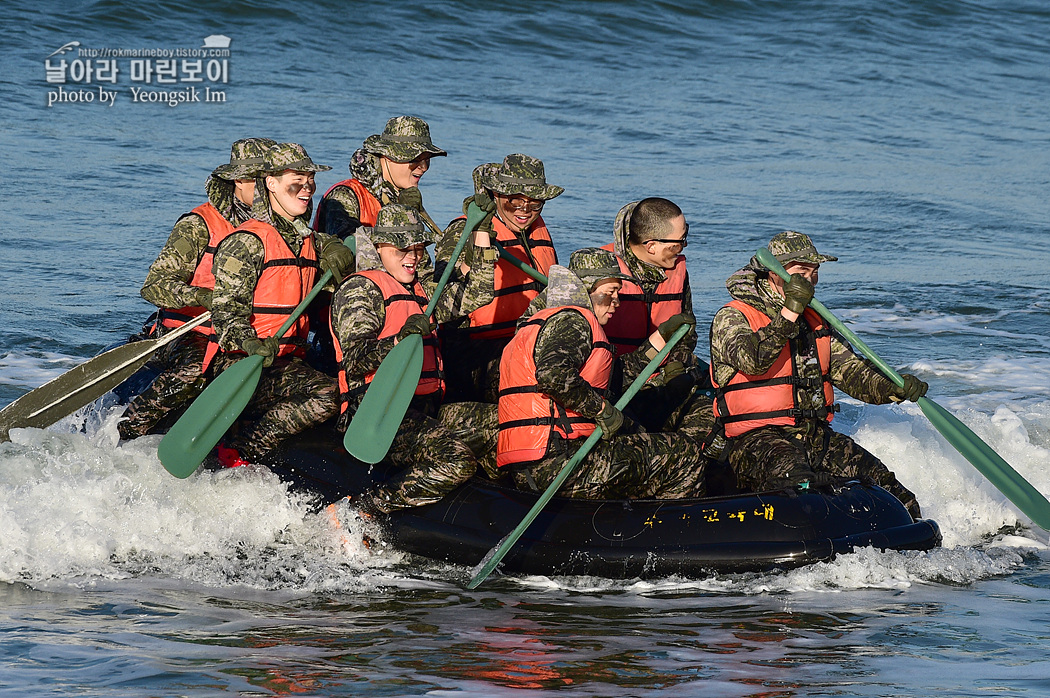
(402,264)
(405,175)
(518,212)
(605,299)
(290,192)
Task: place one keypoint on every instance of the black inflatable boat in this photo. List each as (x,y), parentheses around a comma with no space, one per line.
(621,539)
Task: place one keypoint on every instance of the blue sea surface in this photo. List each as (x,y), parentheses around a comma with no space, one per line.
(910,139)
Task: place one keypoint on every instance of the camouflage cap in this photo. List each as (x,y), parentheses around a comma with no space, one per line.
(790,246)
(400,226)
(290,156)
(593,264)
(519,174)
(404,139)
(247,157)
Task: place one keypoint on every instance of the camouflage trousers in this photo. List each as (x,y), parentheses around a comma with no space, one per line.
(777,457)
(434,455)
(628,466)
(179,382)
(290,398)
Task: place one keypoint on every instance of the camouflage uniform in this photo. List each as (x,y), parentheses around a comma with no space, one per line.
(403,139)
(668,402)
(167,285)
(472,364)
(774,457)
(433,446)
(629,465)
(291,395)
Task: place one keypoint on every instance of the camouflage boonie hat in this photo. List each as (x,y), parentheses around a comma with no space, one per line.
(404,139)
(790,246)
(290,156)
(519,174)
(247,157)
(400,226)
(593,264)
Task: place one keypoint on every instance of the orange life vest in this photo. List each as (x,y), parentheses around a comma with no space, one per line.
(285,281)
(750,402)
(513,289)
(640,313)
(218,229)
(528,418)
(368,204)
(399,304)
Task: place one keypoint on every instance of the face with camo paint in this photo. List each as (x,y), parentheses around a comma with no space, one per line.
(290,192)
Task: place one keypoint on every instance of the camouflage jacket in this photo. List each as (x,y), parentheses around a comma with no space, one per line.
(564,343)
(339,210)
(167,284)
(358,311)
(735,347)
(238,265)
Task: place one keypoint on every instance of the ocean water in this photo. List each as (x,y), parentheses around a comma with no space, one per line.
(909,139)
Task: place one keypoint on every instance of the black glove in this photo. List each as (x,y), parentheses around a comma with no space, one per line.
(416,324)
(337,258)
(610,420)
(266,348)
(203,298)
(912,390)
(798,292)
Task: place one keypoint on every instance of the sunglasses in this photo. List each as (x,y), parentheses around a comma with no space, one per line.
(519,203)
(684,242)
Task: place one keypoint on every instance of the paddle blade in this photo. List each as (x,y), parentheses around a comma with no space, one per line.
(989,463)
(75,388)
(193,437)
(377,420)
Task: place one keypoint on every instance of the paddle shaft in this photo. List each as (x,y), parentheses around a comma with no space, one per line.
(385,402)
(508,257)
(989,463)
(493,558)
(468,229)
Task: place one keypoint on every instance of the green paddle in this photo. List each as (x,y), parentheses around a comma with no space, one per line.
(375,424)
(494,556)
(85,383)
(201,426)
(988,462)
(508,257)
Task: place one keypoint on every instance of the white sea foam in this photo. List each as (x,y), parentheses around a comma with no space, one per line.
(33,369)
(870,322)
(79,507)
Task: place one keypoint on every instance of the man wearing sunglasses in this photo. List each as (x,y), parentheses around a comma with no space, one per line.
(649,238)
(513,193)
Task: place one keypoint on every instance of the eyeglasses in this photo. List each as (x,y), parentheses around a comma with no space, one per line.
(520,203)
